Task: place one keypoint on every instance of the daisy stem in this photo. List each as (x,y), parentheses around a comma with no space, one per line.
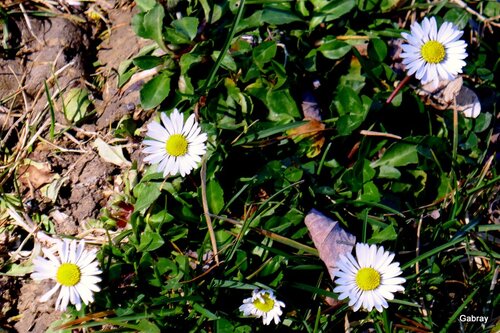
(398,88)
(455,131)
(204,201)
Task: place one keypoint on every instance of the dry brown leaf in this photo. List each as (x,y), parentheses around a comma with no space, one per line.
(313,130)
(329,238)
(35,174)
(450,92)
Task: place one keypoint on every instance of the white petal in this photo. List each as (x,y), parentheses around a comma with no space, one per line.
(45,297)
(157,132)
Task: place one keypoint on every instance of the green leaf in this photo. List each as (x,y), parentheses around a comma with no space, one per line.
(223,326)
(334,49)
(388,5)
(263,53)
(377,50)
(147,62)
(215,197)
(279,16)
(76,103)
(147,326)
(146,194)
(150,241)
(187,26)
(282,106)
(389,172)
(370,193)
(155,91)
(210,315)
(398,154)
(268,132)
(482,122)
(145,5)
(386,234)
(352,110)
(227,62)
(331,10)
(17,270)
(152,24)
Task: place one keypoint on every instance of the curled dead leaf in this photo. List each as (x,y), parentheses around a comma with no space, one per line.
(450,94)
(313,130)
(329,238)
(35,174)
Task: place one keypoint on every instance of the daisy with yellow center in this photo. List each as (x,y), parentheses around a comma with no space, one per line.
(432,54)
(370,280)
(263,304)
(175,146)
(75,272)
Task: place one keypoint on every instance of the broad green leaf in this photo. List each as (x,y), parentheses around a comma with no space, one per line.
(153,24)
(492,9)
(146,194)
(147,61)
(155,91)
(279,16)
(263,53)
(377,50)
(187,26)
(334,49)
(389,172)
(223,326)
(215,197)
(482,122)
(227,62)
(386,234)
(147,326)
(145,5)
(370,193)
(150,241)
(282,106)
(398,154)
(76,103)
(388,5)
(330,10)
(352,109)
(293,174)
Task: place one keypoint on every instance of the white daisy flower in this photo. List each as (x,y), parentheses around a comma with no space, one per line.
(370,280)
(263,304)
(176,147)
(75,272)
(432,54)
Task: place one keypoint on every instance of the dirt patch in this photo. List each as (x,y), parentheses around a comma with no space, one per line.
(35,316)
(63,52)
(121,44)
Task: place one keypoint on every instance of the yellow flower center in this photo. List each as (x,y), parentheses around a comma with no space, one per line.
(68,274)
(265,306)
(433,52)
(177,145)
(368,279)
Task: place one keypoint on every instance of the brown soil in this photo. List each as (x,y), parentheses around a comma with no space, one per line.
(69,44)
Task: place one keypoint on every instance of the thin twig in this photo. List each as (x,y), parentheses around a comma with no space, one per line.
(203,175)
(487,21)
(398,88)
(373,133)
